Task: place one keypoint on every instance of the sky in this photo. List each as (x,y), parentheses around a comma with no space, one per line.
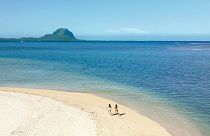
(108,19)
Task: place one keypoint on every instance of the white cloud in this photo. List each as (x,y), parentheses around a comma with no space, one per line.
(127,30)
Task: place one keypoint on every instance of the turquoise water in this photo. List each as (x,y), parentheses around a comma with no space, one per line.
(173,78)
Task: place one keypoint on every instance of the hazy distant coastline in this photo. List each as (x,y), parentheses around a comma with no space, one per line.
(60,35)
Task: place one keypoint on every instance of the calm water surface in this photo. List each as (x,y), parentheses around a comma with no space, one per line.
(173,78)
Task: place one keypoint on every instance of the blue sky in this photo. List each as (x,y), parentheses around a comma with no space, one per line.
(108,19)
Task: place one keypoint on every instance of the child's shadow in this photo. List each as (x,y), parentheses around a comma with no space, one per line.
(120,114)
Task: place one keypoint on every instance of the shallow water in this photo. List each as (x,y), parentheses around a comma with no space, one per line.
(173,78)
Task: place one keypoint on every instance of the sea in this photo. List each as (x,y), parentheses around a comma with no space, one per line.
(167,81)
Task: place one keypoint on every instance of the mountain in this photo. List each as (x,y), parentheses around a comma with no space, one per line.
(60,35)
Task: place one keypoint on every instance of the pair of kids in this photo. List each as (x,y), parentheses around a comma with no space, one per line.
(110,109)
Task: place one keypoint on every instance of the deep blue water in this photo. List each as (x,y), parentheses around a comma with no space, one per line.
(162,74)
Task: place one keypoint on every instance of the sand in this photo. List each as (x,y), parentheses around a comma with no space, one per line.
(29,115)
(38,112)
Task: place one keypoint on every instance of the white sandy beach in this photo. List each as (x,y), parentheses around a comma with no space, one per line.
(29,115)
(27,112)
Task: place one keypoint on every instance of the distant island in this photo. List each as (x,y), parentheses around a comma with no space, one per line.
(60,35)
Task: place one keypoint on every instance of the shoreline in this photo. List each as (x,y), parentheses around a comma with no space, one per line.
(131,123)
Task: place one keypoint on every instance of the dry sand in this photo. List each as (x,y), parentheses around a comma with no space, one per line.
(37,112)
